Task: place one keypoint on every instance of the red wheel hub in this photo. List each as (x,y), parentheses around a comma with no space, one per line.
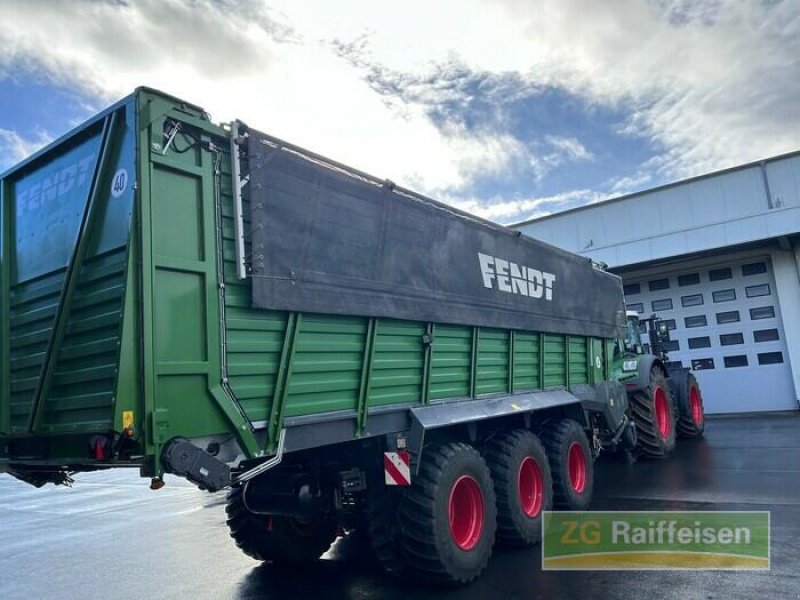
(696,405)
(661,405)
(530,486)
(465,512)
(576,462)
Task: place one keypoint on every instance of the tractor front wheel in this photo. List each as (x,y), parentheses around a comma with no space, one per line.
(692,424)
(653,411)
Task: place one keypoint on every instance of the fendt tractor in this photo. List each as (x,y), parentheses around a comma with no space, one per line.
(338,353)
(663,403)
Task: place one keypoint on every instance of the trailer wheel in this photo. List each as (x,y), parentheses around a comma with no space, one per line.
(278,539)
(692,425)
(571,464)
(383,526)
(653,413)
(522,484)
(448,516)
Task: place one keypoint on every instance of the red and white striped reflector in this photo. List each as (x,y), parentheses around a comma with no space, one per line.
(397,468)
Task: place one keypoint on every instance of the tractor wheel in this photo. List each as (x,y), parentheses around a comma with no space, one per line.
(278,539)
(383,526)
(448,515)
(522,485)
(692,425)
(654,416)
(571,464)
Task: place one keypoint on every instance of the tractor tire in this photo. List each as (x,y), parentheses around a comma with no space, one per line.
(692,425)
(448,516)
(383,526)
(571,464)
(277,539)
(522,485)
(653,412)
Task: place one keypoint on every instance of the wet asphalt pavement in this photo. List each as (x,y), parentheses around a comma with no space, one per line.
(111,537)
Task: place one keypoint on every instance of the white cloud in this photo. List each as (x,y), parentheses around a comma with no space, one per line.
(250,62)
(14,147)
(712,84)
(508,211)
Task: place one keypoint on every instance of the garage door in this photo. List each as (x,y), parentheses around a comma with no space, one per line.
(726,324)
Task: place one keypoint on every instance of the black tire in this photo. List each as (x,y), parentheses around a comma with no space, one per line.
(383,526)
(653,412)
(571,464)
(692,424)
(522,485)
(450,474)
(278,539)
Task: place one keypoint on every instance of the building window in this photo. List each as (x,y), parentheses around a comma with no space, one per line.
(658,284)
(762,312)
(766,335)
(754,291)
(674,364)
(696,321)
(735,361)
(671,346)
(731,339)
(658,305)
(724,295)
(701,364)
(731,316)
(690,279)
(770,358)
(631,289)
(699,342)
(670,324)
(638,307)
(720,274)
(754,268)
(692,300)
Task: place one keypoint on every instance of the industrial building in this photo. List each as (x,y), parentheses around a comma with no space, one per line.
(718,256)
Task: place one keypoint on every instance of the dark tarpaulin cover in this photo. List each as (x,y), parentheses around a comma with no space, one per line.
(325,240)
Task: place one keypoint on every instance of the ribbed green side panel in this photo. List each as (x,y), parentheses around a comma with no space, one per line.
(397,363)
(450,363)
(578,365)
(493,361)
(254,337)
(554,361)
(32,310)
(83,386)
(326,367)
(527,361)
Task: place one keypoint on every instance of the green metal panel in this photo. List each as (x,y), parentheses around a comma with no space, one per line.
(555,368)
(5,271)
(397,371)
(526,361)
(450,362)
(326,372)
(578,362)
(493,361)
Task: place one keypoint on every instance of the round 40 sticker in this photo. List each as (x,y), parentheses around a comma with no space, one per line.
(120,183)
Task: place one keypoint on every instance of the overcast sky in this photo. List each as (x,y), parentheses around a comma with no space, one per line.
(507,108)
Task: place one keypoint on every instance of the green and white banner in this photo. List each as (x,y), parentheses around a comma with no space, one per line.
(602,540)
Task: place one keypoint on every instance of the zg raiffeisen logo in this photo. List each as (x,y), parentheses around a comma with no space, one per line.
(595,540)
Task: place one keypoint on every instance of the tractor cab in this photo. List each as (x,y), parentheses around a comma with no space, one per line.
(657,330)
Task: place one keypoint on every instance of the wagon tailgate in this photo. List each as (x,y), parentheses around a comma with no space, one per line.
(60,343)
